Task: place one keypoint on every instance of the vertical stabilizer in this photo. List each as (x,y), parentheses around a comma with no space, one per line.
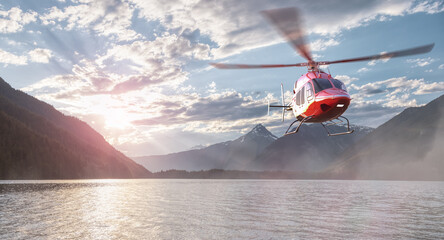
(283,102)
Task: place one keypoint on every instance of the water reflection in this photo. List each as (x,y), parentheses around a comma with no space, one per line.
(171,209)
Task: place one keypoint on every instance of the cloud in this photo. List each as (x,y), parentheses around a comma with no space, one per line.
(375,103)
(441,66)
(322,44)
(389,85)
(430,88)
(109,18)
(212,87)
(394,92)
(10,58)
(346,79)
(134,83)
(15,19)
(236,26)
(421,62)
(40,55)
(400,101)
(228,106)
(363,69)
(169,48)
(127,67)
(157,61)
(369,113)
(428,7)
(37,55)
(88,79)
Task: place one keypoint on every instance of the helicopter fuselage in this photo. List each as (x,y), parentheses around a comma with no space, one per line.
(319,96)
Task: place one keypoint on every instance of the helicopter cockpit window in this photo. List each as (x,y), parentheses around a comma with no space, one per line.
(302,96)
(309,90)
(321,84)
(298,98)
(339,84)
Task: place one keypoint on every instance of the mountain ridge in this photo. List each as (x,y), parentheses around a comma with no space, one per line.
(71,124)
(309,150)
(245,153)
(407,147)
(228,155)
(88,158)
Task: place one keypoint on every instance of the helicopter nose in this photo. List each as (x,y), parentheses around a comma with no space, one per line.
(338,102)
(332,103)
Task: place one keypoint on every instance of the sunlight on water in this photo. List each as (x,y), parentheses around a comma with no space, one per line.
(220,209)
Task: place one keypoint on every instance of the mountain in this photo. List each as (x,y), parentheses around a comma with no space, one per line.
(309,150)
(410,146)
(38,142)
(197,147)
(236,154)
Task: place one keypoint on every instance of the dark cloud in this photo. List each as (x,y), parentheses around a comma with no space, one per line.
(372,91)
(134,83)
(227,107)
(167,104)
(101,83)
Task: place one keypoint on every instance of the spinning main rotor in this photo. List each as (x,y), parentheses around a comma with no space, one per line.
(288,23)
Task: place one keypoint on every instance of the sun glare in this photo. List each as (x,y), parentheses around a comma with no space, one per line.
(116,119)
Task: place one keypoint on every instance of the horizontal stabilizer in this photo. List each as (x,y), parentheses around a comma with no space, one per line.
(279,106)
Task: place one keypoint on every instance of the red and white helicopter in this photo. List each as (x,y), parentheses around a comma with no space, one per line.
(318,97)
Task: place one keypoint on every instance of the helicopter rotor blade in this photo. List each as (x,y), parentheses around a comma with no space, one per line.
(246,66)
(289,24)
(401,53)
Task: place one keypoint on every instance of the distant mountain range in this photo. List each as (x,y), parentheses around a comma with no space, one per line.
(230,155)
(410,146)
(39,142)
(309,150)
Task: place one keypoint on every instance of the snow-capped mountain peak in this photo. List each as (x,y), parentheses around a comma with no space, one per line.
(259,132)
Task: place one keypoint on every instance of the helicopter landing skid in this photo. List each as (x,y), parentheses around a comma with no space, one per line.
(325,125)
(349,131)
(300,124)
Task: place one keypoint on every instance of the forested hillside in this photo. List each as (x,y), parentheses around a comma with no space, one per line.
(36,145)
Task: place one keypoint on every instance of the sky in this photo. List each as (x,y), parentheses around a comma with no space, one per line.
(137,71)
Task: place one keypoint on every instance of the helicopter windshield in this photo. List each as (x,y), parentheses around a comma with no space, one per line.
(321,84)
(338,84)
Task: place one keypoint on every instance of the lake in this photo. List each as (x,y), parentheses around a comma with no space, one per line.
(221,209)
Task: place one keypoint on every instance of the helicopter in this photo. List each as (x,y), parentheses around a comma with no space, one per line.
(318,97)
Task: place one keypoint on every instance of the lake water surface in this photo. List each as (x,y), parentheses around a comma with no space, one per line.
(221,209)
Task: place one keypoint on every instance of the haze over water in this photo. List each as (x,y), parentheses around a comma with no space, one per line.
(221,209)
